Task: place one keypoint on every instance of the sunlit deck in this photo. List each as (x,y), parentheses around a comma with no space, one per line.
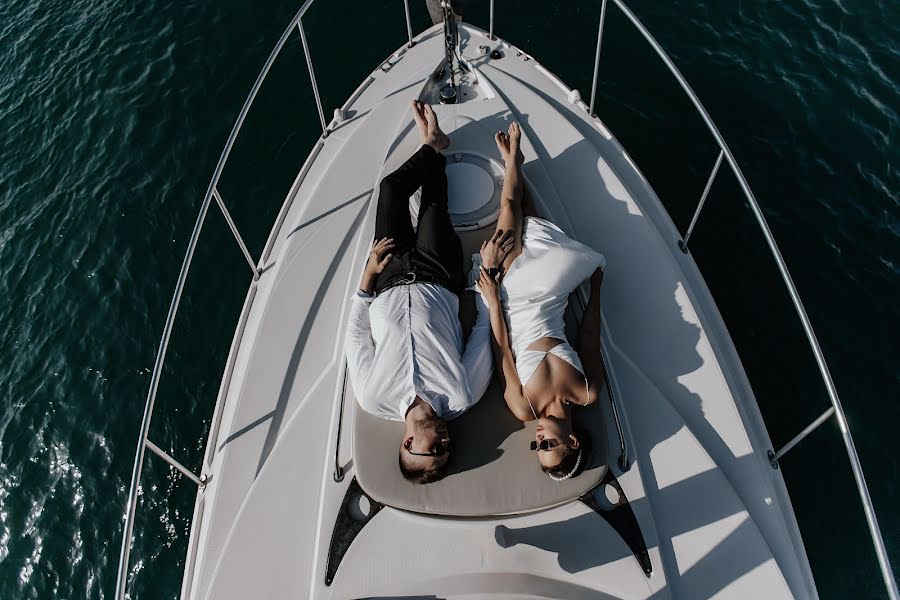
(715,516)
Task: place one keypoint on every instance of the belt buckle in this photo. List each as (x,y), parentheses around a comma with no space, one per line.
(412,278)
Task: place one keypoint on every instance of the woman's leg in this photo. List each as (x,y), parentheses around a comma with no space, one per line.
(511,216)
(528,209)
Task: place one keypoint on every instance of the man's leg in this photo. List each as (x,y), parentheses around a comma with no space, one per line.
(438,250)
(437,240)
(392,217)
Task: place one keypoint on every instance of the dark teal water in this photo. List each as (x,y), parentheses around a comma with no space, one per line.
(113,113)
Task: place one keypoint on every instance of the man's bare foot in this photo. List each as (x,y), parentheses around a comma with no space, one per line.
(508,143)
(436,138)
(418,110)
(429,130)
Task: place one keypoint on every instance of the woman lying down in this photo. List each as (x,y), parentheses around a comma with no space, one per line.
(542,376)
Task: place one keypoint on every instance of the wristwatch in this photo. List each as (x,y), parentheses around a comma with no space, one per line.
(492,272)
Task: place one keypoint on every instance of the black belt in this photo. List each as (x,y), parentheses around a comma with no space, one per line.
(408,278)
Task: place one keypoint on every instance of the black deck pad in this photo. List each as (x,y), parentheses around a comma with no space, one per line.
(347,527)
(622,519)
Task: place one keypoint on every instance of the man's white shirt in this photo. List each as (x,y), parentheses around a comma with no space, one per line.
(408,342)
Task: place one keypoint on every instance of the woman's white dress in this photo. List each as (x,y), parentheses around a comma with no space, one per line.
(535,291)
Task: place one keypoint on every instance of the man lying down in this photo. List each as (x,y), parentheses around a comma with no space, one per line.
(404,340)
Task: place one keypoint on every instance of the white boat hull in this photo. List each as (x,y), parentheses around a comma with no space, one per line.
(715,516)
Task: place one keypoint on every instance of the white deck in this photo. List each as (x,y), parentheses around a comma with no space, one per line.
(716,517)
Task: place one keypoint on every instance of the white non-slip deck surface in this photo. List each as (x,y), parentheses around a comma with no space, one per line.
(715,516)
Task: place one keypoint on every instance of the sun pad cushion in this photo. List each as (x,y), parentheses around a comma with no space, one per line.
(491,470)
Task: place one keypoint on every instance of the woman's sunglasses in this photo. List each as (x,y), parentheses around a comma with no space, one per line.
(544,445)
(442,447)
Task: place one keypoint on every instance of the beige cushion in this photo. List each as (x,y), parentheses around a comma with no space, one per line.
(491,469)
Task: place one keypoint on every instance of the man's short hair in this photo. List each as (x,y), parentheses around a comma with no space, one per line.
(417,474)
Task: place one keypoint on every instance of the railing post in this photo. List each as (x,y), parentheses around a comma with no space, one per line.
(774,456)
(861,487)
(137,469)
(491,27)
(125,553)
(338,469)
(683,244)
(237,235)
(200,481)
(408,24)
(312,77)
(597,57)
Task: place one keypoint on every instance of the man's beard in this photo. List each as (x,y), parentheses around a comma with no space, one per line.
(428,424)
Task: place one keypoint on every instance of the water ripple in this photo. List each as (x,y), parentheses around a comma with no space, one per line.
(112,114)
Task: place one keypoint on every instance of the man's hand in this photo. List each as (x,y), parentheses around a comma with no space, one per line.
(378,260)
(494,250)
(490,289)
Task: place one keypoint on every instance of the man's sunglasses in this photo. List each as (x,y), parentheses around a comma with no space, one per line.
(442,447)
(544,445)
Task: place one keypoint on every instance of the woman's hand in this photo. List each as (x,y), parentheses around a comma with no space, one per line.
(379,258)
(490,289)
(494,250)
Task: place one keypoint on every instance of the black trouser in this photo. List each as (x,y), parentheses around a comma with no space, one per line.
(432,254)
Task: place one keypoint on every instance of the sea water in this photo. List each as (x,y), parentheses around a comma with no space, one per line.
(112,117)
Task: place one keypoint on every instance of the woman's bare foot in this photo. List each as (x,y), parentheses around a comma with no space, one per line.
(429,130)
(508,143)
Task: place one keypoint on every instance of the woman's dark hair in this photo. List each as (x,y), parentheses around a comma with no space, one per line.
(565,466)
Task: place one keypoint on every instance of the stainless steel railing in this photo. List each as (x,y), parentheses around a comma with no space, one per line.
(836,408)
(212,192)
